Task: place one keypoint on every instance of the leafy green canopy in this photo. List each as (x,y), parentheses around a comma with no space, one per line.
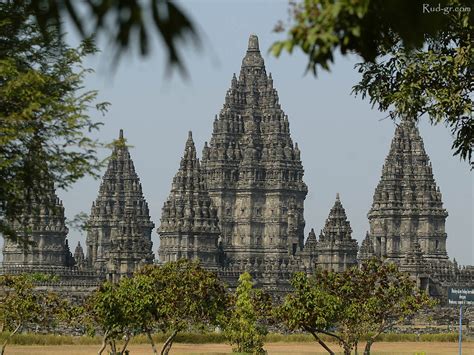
(353,303)
(172,298)
(44,122)
(21,304)
(417,55)
(436,81)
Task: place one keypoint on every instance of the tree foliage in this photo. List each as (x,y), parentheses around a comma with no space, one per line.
(417,55)
(436,81)
(187,295)
(123,22)
(351,304)
(172,297)
(22,305)
(310,307)
(245,328)
(44,120)
(106,314)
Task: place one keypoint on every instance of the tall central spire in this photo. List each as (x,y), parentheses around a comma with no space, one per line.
(253,169)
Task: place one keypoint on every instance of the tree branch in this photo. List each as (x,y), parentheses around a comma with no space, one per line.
(127,339)
(320,341)
(168,343)
(2,350)
(104,343)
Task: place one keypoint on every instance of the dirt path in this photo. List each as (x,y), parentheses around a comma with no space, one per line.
(273,348)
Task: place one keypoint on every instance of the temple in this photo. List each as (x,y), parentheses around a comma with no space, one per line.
(189,225)
(119,227)
(253,170)
(336,250)
(407,218)
(42,227)
(241,208)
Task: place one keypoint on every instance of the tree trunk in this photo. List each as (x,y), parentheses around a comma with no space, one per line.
(127,339)
(168,343)
(367,347)
(104,343)
(152,343)
(113,348)
(319,340)
(347,349)
(2,350)
(356,350)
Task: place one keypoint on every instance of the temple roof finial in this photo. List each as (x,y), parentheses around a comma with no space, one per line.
(337,196)
(253,43)
(121,134)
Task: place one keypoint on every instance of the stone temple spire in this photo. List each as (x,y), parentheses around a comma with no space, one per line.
(311,242)
(336,249)
(120,201)
(42,223)
(366,250)
(253,169)
(189,225)
(79,256)
(407,206)
(309,255)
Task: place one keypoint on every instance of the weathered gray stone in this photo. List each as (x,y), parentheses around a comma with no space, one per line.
(336,250)
(189,225)
(43,225)
(119,227)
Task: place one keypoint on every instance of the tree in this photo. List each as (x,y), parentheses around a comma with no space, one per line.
(244,328)
(123,22)
(417,56)
(21,304)
(352,304)
(388,297)
(44,121)
(310,308)
(140,307)
(171,297)
(120,311)
(185,295)
(105,313)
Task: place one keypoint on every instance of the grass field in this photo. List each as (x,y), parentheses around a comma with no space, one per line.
(382,348)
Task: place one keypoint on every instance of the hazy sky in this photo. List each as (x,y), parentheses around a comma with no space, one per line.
(343,141)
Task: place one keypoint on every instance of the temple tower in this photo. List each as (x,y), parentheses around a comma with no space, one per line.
(43,224)
(79,256)
(119,227)
(189,225)
(336,250)
(309,255)
(407,208)
(253,169)
(366,250)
